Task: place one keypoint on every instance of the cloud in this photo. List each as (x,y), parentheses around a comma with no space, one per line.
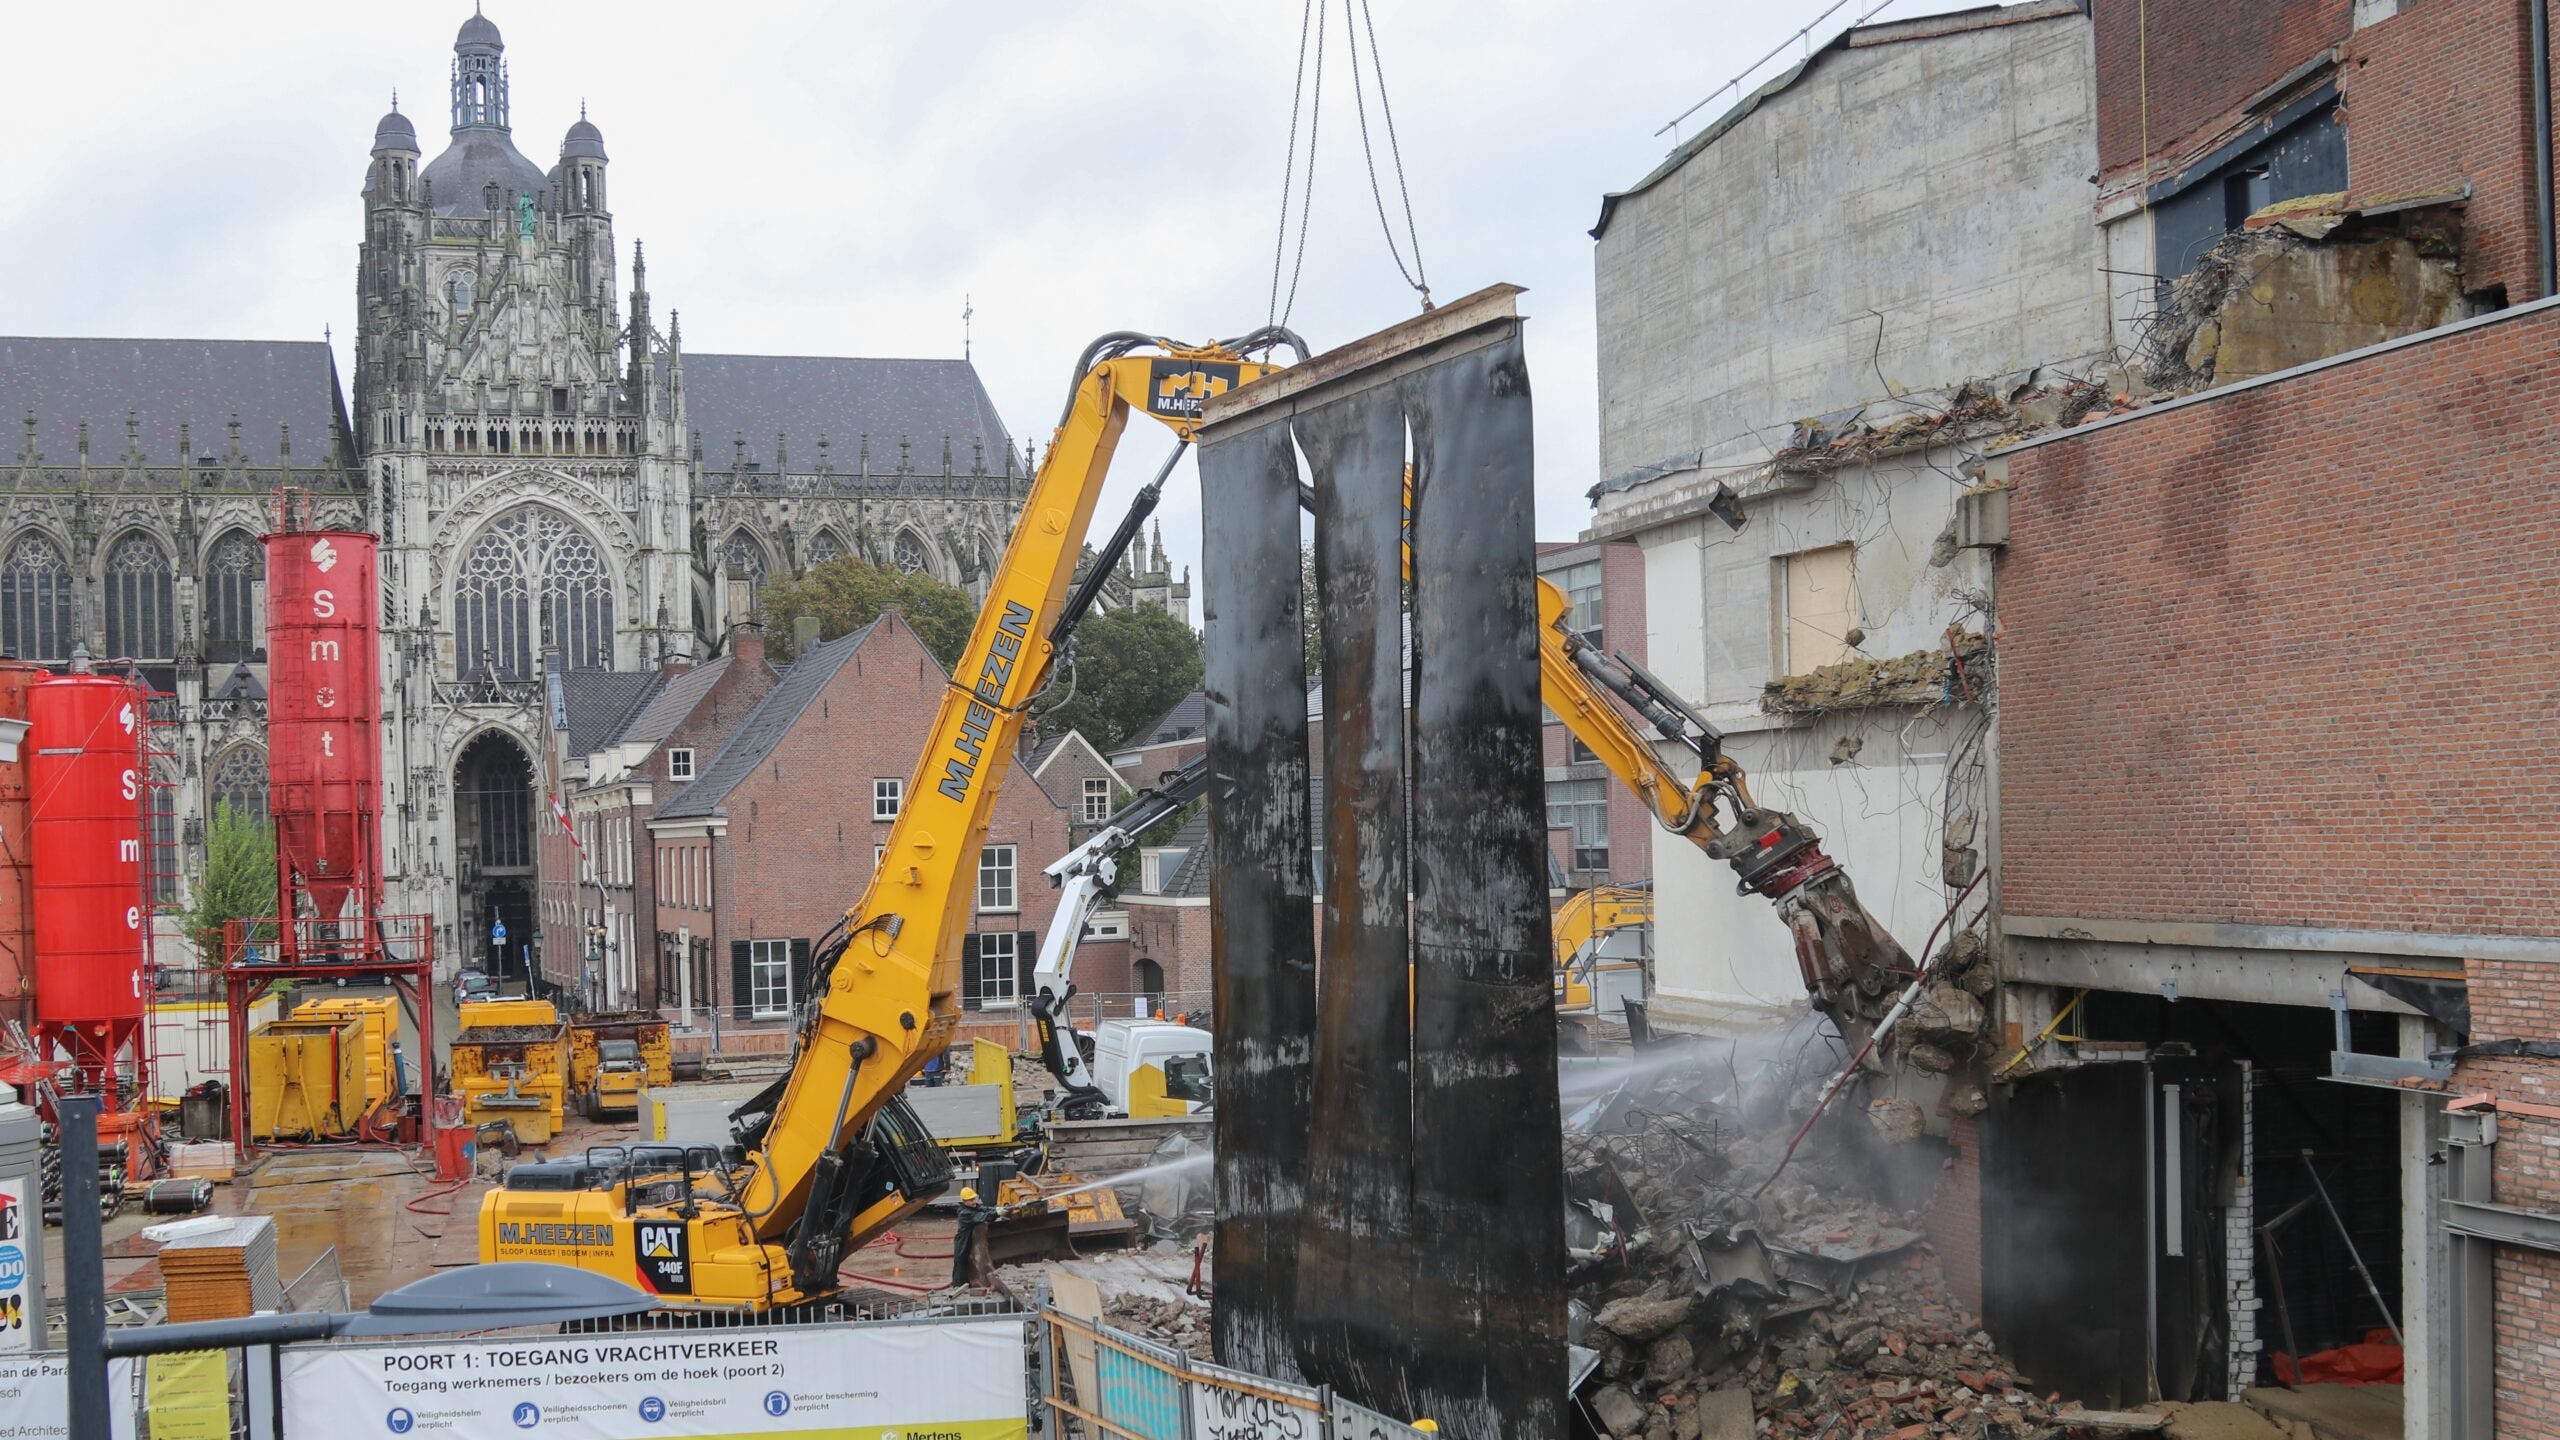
(833,179)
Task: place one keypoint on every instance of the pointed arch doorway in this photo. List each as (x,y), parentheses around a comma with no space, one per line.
(493,841)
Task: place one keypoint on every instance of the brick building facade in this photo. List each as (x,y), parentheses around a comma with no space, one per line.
(1603,585)
(781,831)
(2273,769)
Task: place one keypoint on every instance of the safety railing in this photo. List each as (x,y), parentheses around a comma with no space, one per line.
(1117,1385)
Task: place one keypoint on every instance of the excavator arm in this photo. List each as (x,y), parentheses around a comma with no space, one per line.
(1849,960)
(885,990)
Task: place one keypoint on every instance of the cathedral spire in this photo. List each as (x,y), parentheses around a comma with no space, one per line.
(479,75)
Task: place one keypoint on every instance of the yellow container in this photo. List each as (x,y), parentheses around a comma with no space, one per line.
(306,1079)
(510,1061)
(381,1017)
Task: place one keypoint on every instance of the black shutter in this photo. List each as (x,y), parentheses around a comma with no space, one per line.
(799,971)
(969,972)
(742,978)
(1026,958)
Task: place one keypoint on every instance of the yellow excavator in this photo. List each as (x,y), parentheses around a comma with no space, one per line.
(1580,924)
(829,1156)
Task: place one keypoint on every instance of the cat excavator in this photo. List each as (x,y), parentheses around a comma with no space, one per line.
(829,1156)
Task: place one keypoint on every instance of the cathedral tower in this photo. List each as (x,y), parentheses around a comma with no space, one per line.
(524,473)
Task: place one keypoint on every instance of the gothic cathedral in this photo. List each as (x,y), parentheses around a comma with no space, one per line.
(557,484)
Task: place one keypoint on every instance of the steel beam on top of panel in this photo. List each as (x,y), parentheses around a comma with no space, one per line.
(1483,318)
(1355,1257)
(1262,942)
(1487,1167)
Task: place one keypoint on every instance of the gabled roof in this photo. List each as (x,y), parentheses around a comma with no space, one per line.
(1052,747)
(204,383)
(764,728)
(600,702)
(667,708)
(802,397)
(1187,720)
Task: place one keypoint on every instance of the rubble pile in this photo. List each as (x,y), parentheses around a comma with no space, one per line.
(1944,674)
(1815,1299)
(1179,1324)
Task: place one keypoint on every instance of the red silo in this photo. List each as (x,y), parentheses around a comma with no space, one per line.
(17,879)
(86,790)
(324,721)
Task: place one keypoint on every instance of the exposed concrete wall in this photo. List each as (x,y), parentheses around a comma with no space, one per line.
(1902,217)
(1716,620)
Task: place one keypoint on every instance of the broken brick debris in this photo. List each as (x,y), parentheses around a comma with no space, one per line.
(1820,1304)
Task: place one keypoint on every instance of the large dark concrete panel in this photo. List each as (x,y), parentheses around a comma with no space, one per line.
(1262,948)
(1488,1180)
(1355,1263)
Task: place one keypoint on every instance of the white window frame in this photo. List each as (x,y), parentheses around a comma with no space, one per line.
(1011,970)
(999,880)
(680,763)
(1107,925)
(764,959)
(888,797)
(1096,788)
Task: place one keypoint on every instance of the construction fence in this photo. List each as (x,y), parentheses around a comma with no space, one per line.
(978,1369)
(1104,1384)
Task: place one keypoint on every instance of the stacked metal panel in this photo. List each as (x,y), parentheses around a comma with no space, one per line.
(1390,1176)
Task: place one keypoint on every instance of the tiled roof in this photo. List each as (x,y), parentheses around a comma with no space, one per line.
(763,728)
(204,383)
(1188,719)
(673,701)
(600,702)
(801,397)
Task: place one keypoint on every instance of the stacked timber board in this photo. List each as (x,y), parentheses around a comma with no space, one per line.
(223,1271)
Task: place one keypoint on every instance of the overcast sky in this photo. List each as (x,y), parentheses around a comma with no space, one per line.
(832,179)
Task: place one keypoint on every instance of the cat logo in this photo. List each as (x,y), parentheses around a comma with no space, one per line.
(660,1247)
(1178,388)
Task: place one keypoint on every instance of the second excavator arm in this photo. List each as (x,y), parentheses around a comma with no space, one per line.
(1849,960)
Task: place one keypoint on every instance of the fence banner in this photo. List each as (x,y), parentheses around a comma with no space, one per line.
(35,1396)
(958,1380)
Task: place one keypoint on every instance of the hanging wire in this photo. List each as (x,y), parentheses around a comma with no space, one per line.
(1310,21)
(1414,277)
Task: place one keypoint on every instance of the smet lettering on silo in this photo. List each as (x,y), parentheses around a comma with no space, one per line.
(587,1237)
(968,747)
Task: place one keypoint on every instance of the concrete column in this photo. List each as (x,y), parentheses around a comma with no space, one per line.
(2423,1249)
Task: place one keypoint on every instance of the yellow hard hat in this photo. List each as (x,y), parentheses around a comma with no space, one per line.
(968,1196)
(1427,1425)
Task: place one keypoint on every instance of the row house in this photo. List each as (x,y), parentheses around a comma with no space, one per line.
(783,826)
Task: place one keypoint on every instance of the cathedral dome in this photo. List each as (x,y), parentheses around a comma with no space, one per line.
(583,142)
(478,31)
(394,132)
(459,179)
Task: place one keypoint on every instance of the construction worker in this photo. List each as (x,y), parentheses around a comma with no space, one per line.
(966,1239)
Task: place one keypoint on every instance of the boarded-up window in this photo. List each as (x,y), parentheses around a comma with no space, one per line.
(1821,609)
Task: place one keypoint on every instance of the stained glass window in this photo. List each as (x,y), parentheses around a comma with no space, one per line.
(233,573)
(531,550)
(35,601)
(910,551)
(239,779)
(824,548)
(139,600)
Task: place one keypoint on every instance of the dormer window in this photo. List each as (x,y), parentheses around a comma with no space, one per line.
(680,764)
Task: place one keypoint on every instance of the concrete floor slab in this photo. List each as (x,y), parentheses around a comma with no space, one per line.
(2332,1412)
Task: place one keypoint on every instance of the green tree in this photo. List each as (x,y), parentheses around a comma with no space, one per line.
(1131,666)
(239,879)
(848,594)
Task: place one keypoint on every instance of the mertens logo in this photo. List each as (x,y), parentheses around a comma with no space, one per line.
(324,555)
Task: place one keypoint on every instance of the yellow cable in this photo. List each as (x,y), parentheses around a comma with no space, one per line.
(2014,1061)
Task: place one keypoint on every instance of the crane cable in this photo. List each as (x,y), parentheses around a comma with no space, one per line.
(1310,20)
(1414,277)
